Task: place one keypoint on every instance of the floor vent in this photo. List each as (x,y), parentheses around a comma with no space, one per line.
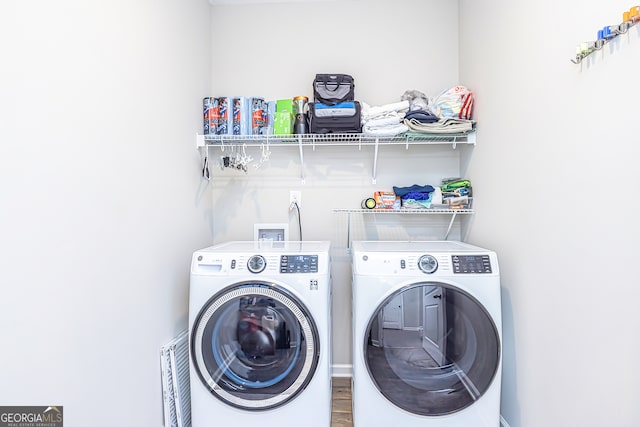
(176,395)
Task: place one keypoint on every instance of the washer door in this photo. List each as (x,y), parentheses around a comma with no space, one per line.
(255,346)
(432,349)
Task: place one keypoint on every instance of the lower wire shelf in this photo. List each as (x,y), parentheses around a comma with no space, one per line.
(402,211)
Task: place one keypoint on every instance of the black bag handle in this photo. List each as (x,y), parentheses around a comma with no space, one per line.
(325,83)
(339,80)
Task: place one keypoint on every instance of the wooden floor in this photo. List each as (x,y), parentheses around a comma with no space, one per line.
(341,404)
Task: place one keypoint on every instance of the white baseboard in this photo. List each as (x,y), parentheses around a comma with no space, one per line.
(342,371)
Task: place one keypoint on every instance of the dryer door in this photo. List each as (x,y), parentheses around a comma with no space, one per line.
(255,346)
(445,356)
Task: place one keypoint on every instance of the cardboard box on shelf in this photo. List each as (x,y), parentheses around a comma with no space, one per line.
(386,200)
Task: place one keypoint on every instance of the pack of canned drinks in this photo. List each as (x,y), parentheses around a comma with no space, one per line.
(236,116)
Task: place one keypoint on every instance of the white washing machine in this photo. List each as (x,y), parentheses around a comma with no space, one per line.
(426,335)
(259,329)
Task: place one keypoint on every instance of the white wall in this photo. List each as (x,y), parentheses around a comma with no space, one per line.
(101,199)
(278,57)
(274,50)
(101,204)
(557,150)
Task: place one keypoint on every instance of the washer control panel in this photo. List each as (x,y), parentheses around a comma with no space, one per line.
(298,263)
(471,264)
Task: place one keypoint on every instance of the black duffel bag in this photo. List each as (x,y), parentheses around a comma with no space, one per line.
(331,89)
(339,118)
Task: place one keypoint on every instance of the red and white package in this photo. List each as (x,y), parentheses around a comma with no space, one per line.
(456,102)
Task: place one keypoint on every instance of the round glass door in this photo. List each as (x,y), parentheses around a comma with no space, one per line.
(255,346)
(432,349)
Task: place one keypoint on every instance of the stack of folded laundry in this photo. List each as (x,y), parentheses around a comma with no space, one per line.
(456,193)
(415,196)
(384,120)
(448,112)
(443,126)
(419,108)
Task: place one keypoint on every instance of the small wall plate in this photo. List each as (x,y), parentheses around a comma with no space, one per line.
(271,232)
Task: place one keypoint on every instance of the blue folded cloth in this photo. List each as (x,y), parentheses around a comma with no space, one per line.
(403,191)
(417,204)
(421,116)
(416,195)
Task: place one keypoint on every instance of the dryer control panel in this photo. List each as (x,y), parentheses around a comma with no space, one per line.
(471,264)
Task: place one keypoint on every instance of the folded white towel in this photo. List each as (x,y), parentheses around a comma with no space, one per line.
(391,130)
(390,120)
(369,112)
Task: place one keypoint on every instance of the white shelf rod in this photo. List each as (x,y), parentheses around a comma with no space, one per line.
(301,159)
(453,218)
(375,162)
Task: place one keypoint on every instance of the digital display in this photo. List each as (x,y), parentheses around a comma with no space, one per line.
(471,264)
(299,264)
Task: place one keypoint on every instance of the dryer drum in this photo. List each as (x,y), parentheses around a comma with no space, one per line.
(255,346)
(442,365)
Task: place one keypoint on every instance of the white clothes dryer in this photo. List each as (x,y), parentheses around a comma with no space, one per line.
(426,335)
(259,330)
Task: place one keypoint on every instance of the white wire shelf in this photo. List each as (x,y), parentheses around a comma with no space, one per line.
(403,211)
(358,140)
(424,211)
(338,139)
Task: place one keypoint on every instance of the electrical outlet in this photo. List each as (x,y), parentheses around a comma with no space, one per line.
(295,197)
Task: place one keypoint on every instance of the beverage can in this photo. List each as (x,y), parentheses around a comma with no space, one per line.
(209,126)
(237,116)
(224,117)
(258,114)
